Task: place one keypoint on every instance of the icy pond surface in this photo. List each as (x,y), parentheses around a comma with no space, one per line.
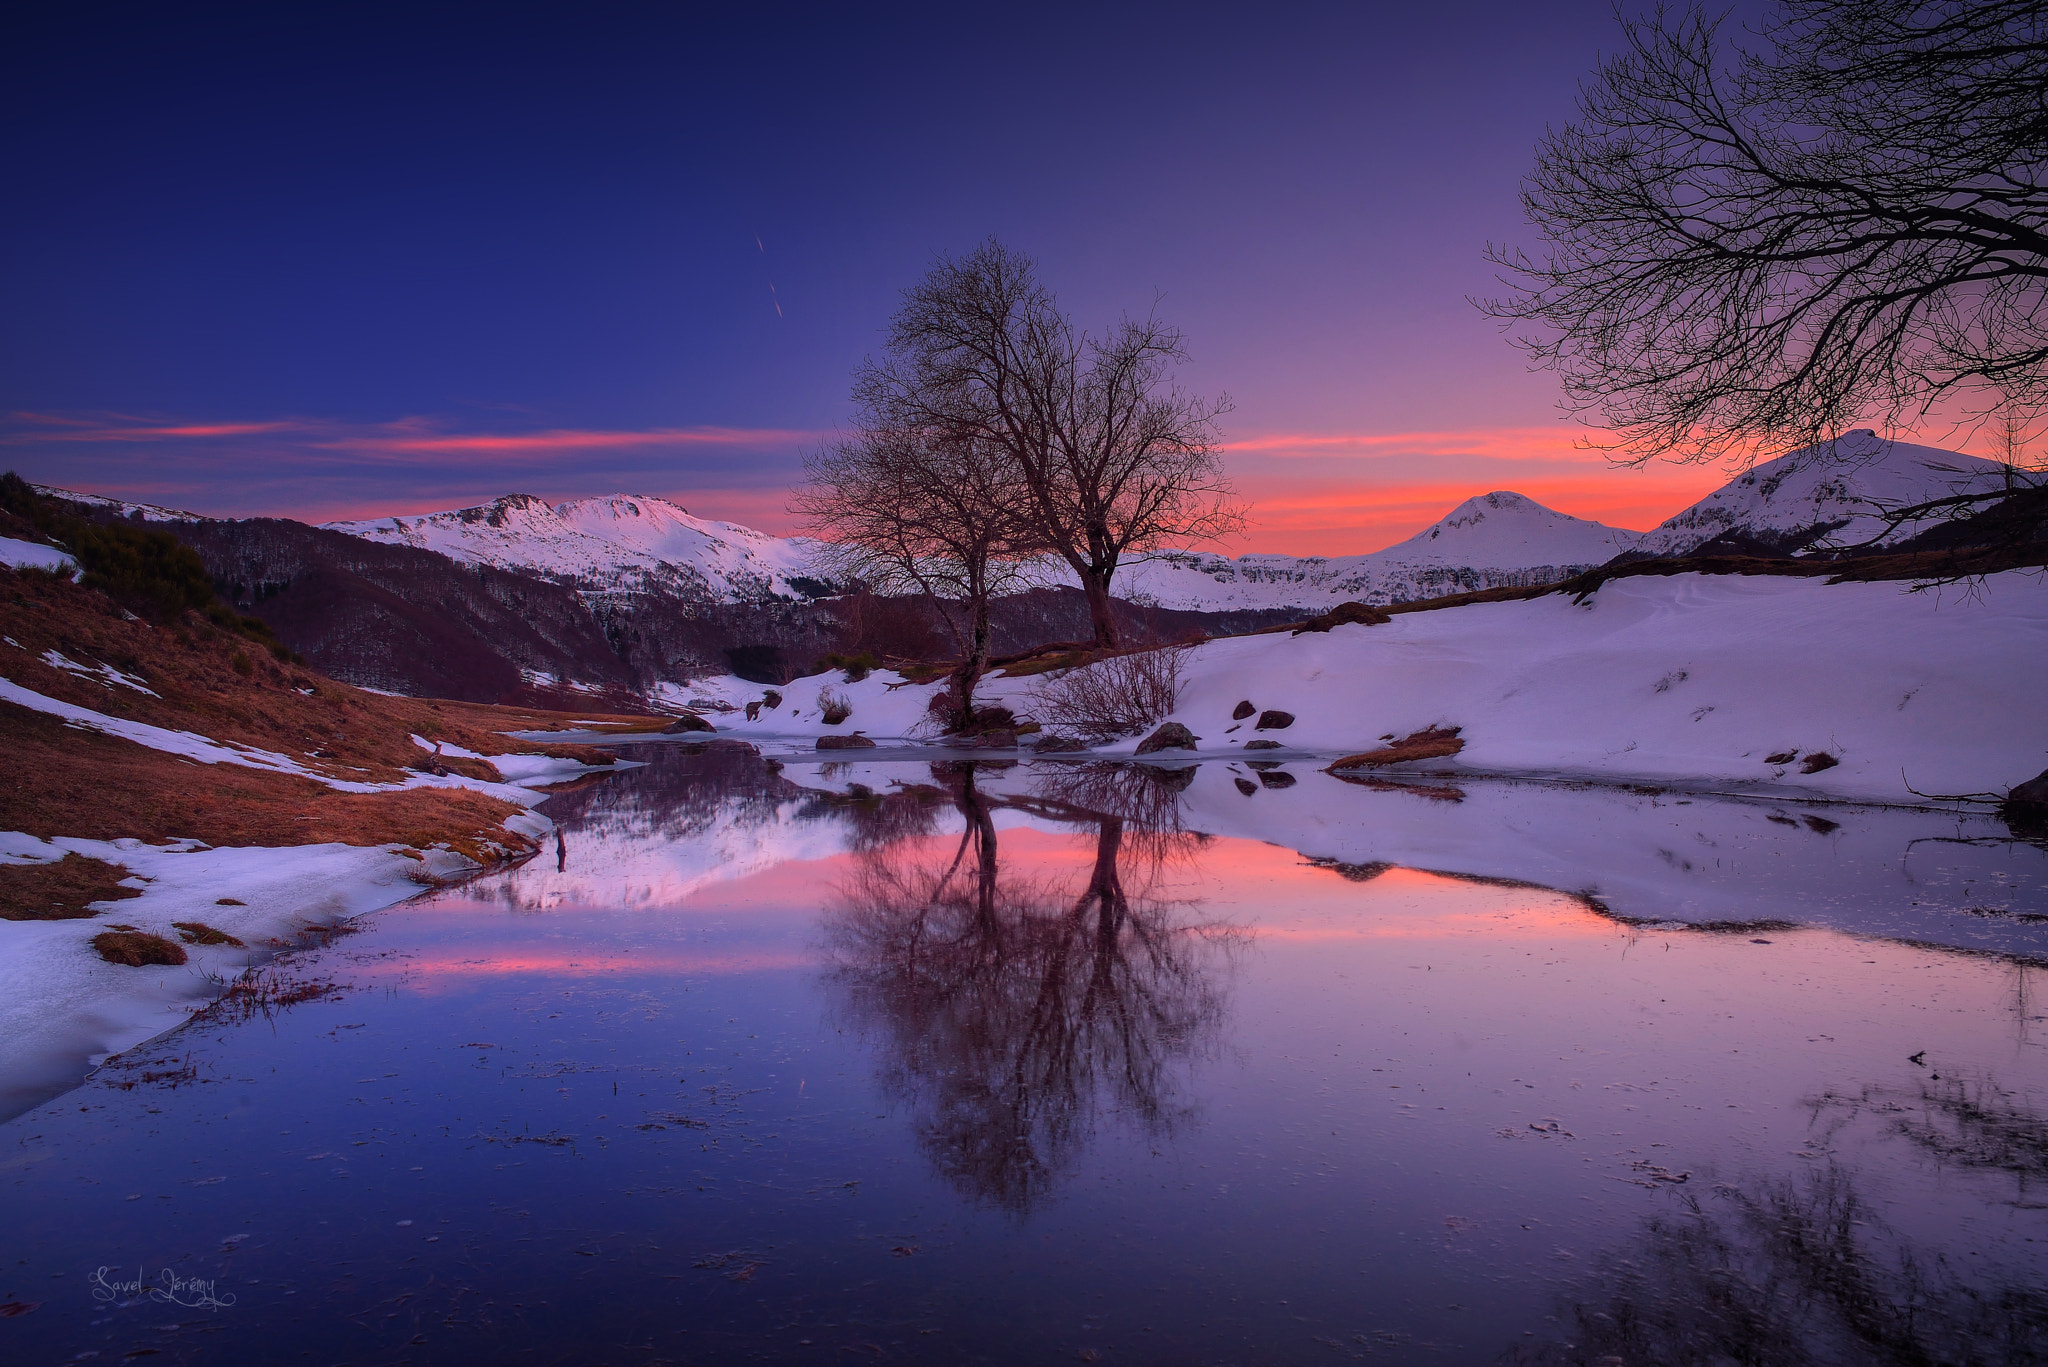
(956,1063)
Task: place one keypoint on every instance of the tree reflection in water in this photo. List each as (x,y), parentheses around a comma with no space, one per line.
(1012,1009)
(1804,1273)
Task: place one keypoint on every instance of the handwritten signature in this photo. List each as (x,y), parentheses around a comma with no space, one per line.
(168,1289)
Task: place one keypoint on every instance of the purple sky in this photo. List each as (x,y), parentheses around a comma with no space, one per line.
(359,260)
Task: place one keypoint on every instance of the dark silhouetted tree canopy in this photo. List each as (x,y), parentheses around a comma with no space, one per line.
(1755,241)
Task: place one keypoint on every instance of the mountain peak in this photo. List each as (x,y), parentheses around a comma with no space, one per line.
(1830,492)
(1504,528)
(612,541)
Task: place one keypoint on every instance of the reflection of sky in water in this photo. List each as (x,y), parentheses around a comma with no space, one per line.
(990,1073)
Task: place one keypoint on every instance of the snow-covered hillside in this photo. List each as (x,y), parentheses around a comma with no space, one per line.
(624,542)
(1830,494)
(1496,540)
(1725,681)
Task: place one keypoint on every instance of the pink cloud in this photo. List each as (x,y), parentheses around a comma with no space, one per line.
(541,445)
(1501,443)
(409,436)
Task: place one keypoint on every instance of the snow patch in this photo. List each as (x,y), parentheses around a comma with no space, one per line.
(30,555)
(61,1005)
(103,673)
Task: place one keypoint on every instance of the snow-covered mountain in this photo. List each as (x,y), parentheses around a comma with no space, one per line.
(1496,540)
(624,542)
(1828,495)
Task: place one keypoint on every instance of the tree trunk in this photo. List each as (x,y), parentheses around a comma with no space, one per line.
(1095,583)
(982,823)
(968,676)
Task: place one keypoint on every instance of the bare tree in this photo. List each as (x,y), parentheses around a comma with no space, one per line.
(1116,459)
(1750,248)
(918,511)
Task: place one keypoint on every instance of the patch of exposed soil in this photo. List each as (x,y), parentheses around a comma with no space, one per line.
(59,891)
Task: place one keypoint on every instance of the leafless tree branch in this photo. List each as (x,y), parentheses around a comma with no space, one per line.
(1749,249)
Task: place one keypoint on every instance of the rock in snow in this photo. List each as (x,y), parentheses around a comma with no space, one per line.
(1170,736)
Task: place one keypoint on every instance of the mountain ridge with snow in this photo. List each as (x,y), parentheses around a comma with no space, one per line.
(1826,497)
(1493,540)
(618,543)
(636,543)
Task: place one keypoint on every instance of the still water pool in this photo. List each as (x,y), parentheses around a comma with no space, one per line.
(1040,1063)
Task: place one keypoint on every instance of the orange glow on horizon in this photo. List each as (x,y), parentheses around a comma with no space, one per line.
(1308,493)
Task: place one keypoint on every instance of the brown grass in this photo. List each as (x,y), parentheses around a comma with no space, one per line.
(1431,743)
(63,781)
(1433,792)
(324,725)
(1362,614)
(265,994)
(200,933)
(59,891)
(137,948)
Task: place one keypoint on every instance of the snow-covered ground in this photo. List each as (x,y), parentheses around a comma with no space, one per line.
(1687,680)
(60,1003)
(62,1006)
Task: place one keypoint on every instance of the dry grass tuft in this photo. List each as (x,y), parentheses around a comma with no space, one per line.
(1430,743)
(59,891)
(265,994)
(200,933)
(137,948)
(1362,614)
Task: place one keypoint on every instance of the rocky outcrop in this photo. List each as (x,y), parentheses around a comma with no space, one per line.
(1170,736)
